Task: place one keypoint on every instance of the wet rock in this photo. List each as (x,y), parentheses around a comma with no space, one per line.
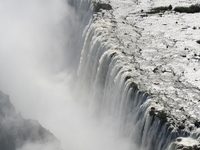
(197,123)
(152,111)
(97,6)
(181,126)
(178,139)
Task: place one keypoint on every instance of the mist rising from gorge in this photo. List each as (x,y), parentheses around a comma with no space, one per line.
(37,65)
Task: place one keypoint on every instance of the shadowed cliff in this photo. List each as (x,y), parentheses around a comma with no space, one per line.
(15,131)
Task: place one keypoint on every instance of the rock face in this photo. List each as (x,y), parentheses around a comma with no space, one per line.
(15,131)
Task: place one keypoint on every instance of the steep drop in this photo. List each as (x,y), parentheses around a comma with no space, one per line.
(113,77)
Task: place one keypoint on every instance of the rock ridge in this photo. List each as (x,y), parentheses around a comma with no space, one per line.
(17,131)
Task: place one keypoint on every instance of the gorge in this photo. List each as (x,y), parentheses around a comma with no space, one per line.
(135,74)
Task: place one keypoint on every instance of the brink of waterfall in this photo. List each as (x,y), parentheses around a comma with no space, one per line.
(140,67)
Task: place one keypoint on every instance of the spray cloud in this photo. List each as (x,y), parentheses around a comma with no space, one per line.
(35,50)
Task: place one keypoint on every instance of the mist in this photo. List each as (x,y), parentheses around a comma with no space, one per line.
(36,49)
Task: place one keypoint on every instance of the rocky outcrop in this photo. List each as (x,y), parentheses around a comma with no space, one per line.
(98,5)
(15,131)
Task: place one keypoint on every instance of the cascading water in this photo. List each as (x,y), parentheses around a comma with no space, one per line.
(107,74)
(75,24)
(107,83)
(114,94)
(37,38)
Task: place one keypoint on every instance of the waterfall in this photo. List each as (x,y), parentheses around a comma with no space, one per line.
(107,74)
(57,58)
(80,15)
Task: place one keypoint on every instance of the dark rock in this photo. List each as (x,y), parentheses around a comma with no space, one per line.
(152,112)
(98,6)
(161,9)
(113,55)
(190,9)
(133,85)
(198,41)
(178,139)
(179,146)
(181,126)
(15,131)
(127,77)
(155,70)
(197,123)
